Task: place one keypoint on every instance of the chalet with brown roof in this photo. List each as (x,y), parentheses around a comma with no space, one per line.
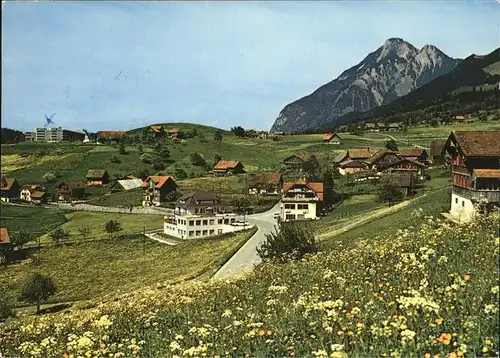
(459,118)
(173,132)
(228,167)
(350,166)
(405,182)
(9,189)
(301,200)
(71,190)
(381,126)
(332,138)
(474,157)
(361,153)
(155,131)
(405,166)
(110,135)
(381,158)
(394,127)
(436,151)
(371,127)
(33,193)
(295,161)
(267,183)
(156,188)
(97,177)
(418,154)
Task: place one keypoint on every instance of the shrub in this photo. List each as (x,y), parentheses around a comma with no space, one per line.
(217,136)
(389,189)
(5,307)
(37,289)
(140,148)
(22,238)
(291,241)
(112,227)
(276,138)
(59,235)
(157,165)
(146,158)
(122,150)
(164,153)
(197,159)
(180,174)
(114,159)
(391,145)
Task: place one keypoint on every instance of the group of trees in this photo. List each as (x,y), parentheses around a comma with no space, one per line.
(9,136)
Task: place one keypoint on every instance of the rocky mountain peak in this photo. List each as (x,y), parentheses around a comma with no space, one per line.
(396,47)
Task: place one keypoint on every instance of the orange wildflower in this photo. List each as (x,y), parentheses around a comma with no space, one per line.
(261,331)
(467,277)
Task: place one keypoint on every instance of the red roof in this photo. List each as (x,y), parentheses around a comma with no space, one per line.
(226,164)
(4,236)
(159,181)
(328,136)
(110,134)
(7,183)
(486,173)
(317,187)
(174,130)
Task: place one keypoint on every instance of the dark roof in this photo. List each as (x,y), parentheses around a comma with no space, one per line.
(195,197)
(353,164)
(267,178)
(6,183)
(96,173)
(316,187)
(478,143)
(4,236)
(37,194)
(379,155)
(411,152)
(437,147)
(339,157)
(75,184)
(401,161)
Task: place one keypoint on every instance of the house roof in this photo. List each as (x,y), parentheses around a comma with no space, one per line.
(4,236)
(110,134)
(174,130)
(129,184)
(371,125)
(317,187)
(226,164)
(402,161)
(195,197)
(339,157)
(380,124)
(32,187)
(6,183)
(378,155)
(96,173)
(267,178)
(460,118)
(329,136)
(159,181)
(478,143)
(156,129)
(353,164)
(411,152)
(437,147)
(37,194)
(361,153)
(75,184)
(486,173)
(403,180)
(394,125)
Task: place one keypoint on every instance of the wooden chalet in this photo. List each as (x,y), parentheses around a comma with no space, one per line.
(371,127)
(97,177)
(418,154)
(268,183)
(351,166)
(436,151)
(156,189)
(394,127)
(33,193)
(474,157)
(381,158)
(155,131)
(301,200)
(460,119)
(173,132)
(294,162)
(9,189)
(331,138)
(228,167)
(71,190)
(404,166)
(381,126)
(361,153)
(405,182)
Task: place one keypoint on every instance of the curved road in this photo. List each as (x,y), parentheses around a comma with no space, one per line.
(246,257)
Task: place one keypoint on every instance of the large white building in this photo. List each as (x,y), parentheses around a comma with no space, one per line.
(58,134)
(474,157)
(199,214)
(301,200)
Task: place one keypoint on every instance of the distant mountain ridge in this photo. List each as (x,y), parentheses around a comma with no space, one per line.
(393,70)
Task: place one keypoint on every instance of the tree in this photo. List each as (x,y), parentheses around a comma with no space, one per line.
(59,235)
(194,132)
(328,186)
(50,177)
(180,174)
(112,226)
(238,131)
(22,238)
(291,241)
(391,145)
(157,165)
(114,159)
(311,165)
(389,189)
(164,153)
(140,148)
(240,205)
(217,158)
(37,289)
(84,232)
(146,158)
(122,148)
(158,147)
(197,159)
(217,136)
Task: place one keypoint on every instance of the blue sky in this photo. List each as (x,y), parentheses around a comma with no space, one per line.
(120,65)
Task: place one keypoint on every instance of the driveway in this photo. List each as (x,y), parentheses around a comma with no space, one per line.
(246,258)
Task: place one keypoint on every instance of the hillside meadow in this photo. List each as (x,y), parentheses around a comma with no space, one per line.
(431,290)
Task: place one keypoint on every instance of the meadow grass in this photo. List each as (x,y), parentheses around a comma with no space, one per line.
(122,199)
(34,219)
(423,291)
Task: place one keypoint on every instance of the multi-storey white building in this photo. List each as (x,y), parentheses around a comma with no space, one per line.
(301,200)
(200,214)
(55,135)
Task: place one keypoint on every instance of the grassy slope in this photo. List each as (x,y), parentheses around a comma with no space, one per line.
(88,270)
(34,219)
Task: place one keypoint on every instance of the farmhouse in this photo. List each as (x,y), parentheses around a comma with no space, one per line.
(9,189)
(97,177)
(228,167)
(33,193)
(371,127)
(262,134)
(437,150)
(474,157)
(361,153)
(174,132)
(301,200)
(156,188)
(418,154)
(155,131)
(110,135)
(332,138)
(125,185)
(350,166)
(394,127)
(381,158)
(381,126)
(267,183)
(294,162)
(404,166)
(405,182)
(71,190)
(198,214)
(460,119)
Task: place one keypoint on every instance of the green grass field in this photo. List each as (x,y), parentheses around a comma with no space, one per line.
(89,270)
(34,219)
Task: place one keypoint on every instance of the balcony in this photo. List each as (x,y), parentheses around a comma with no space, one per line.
(299,199)
(493,196)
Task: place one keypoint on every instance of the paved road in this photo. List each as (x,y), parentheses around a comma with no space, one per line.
(246,258)
(107,209)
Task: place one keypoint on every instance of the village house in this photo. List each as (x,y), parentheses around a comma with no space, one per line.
(404,165)
(436,151)
(404,181)
(418,154)
(174,132)
(228,167)
(155,131)
(459,119)
(125,185)
(381,126)
(294,162)
(97,177)
(301,200)
(156,188)
(343,128)
(200,214)
(371,127)
(5,243)
(263,135)
(33,193)
(350,166)
(394,127)
(70,190)
(353,160)
(474,157)
(381,158)
(331,138)
(267,183)
(9,189)
(110,135)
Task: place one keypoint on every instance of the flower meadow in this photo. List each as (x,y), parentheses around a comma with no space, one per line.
(427,291)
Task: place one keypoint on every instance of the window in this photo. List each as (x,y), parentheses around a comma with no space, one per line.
(212,221)
(212,232)
(219,231)
(191,222)
(198,222)
(290,217)
(233,220)
(205,232)
(289,206)
(198,232)
(205,222)
(219,221)
(302,206)
(191,233)
(463,203)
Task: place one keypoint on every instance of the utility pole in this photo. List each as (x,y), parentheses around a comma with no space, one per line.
(39,255)
(144,242)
